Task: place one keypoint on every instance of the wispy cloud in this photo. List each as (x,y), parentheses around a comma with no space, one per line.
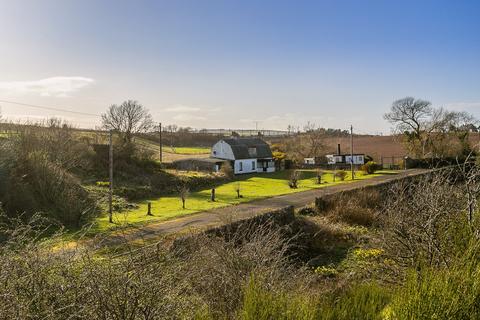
(48,87)
(181,108)
(282,121)
(188,114)
(188,117)
(189,109)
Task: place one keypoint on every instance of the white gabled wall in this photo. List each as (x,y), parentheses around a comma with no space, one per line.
(222,150)
(247,166)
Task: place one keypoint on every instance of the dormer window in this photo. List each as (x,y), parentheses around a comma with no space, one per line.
(252,151)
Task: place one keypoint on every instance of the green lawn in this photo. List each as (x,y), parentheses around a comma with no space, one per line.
(254,186)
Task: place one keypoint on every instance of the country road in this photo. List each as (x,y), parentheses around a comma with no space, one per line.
(219,216)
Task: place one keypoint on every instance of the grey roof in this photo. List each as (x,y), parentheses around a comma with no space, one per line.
(205,160)
(240,147)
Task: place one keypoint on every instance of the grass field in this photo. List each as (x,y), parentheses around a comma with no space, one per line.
(172,154)
(187,150)
(253,187)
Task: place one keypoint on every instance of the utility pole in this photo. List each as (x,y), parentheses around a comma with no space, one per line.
(160,141)
(351,151)
(110,194)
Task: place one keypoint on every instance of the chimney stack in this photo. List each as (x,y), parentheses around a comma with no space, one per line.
(338,148)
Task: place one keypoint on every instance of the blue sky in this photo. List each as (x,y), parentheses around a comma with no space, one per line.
(226,64)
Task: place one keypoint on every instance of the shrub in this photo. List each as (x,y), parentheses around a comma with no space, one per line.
(293,179)
(205,276)
(359,208)
(341,174)
(227,169)
(426,222)
(134,192)
(370,167)
(350,212)
(37,184)
(319,174)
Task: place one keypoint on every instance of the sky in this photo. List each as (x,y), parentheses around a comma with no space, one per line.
(238,64)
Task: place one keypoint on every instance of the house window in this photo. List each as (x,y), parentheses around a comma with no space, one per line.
(252,151)
(240,166)
(253,165)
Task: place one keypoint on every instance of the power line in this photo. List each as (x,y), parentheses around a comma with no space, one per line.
(50,108)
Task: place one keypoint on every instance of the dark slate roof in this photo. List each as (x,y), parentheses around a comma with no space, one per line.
(205,160)
(240,147)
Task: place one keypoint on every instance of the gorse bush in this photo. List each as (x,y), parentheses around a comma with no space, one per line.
(37,168)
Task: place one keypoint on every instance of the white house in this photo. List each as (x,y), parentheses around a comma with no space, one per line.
(308,161)
(247,155)
(345,159)
(339,158)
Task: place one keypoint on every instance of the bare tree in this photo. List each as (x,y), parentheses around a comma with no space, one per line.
(127,119)
(429,131)
(411,117)
(311,143)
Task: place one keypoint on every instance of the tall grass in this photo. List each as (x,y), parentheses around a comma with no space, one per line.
(359,302)
(447,293)
(262,304)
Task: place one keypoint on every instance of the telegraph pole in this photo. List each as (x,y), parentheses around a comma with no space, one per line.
(110,194)
(351,151)
(160,141)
